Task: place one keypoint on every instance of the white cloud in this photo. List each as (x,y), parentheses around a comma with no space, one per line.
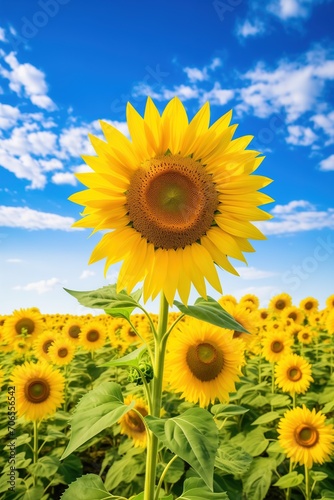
(26,218)
(74,142)
(64,178)
(301,136)
(251,273)
(50,165)
(86,274)
(2,35)
(41,286)
(14,261)
(8,116)
(247,28)
(217,95)
(184,92)
(325,122)
(287,9)
(297,216)
(196,75)
(28,79)
(24,167)
(327,164)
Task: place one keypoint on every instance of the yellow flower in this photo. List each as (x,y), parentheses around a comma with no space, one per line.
(72,329)
(93,336)
(250,301)
(42,344)
(293,374)
(131,423)
(309,304)
(280,302)
(330,322)
(306,335)
(276,344)
(203,362)
(243,316)
(330,302)
(62,351)
(305,437)
(38,390)
(294,314)
(178,198)
(23,323)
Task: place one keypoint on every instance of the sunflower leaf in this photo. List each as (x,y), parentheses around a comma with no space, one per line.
(193,436)
(195,489)
(115,303)
(97,410)
(212,312)
(88,487)
(131,359)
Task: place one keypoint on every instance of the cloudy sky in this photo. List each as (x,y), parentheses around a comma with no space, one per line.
(64,64)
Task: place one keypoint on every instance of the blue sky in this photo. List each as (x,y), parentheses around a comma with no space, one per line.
(64,64)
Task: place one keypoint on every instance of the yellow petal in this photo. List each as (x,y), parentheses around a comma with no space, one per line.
(244,229)
(198,125)
(137,132)
(172,278)
(174,123)
(225,242)
(219,258)
(206,266)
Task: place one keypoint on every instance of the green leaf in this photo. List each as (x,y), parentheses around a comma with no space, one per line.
(290,480)
(195,489)
(227,410)
(131,359)
(126,469)
(193,436)
(253,443)
(318,475)
(88,487)
(70,468)
(45,467)
(115,303)
(34,493)
(212,312)
(100,408)
(232,459)
(280,400)
(258,479)
(266,418)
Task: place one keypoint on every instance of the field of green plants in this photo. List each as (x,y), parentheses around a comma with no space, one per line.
(256,409)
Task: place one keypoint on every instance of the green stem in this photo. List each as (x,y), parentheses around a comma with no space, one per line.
(288,491)
(293,400)
(259,370)
(307,484)
(35,448)
(159,358)
(163,475)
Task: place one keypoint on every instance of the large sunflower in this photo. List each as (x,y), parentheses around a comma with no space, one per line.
(178,198)
(293,374)
(203,362)
(23,323)
(38,389)
(305,437)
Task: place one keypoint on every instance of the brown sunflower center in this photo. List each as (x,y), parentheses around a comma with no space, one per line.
(293,316)
(308,305)
(277,346)
(205,361)
(172,201)
(306,436)
(37,390)
(92,336)
(25,326)
(236,334)
(294,374)
(134,421)
(63,352)
(46,346)
(264,314)
(74,331)
(305,335)
(280,304)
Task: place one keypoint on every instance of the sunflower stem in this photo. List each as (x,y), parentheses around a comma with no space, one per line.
(159,358)
(163,475)
(35,449)
(288,491)
(307,483)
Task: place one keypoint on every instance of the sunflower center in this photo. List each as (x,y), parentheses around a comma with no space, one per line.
(293,316)
(25,326)
(280,304)
(37,390)
(294,374)
(264,314)
(172,201)
(93,336)
(63,352)
(277,346)
(308,305)
(205,361)
(74,331)
(135,422)
(46,346)
(306,436)
(236,334)
(305,336)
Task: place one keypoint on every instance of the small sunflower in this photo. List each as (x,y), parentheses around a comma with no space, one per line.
(23,323)
(305,437)
(330,322)
(275,345)
(280,302)
(293,374)
(330,302)
(243,316)
(39,390)
(93,336)
(131,423)
(72,329)
(42,344)
(62,351)
(309,304)
(250,301)
(306,335)
(294,314)
(178,198)
(203,362)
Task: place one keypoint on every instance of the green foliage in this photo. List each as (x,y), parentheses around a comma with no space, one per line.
(196,489)
(290,480)
(232,459)
(212,312)
(193,436)
(97,410)
(88,487)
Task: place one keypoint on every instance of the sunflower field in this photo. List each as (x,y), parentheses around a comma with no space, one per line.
(258,407)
